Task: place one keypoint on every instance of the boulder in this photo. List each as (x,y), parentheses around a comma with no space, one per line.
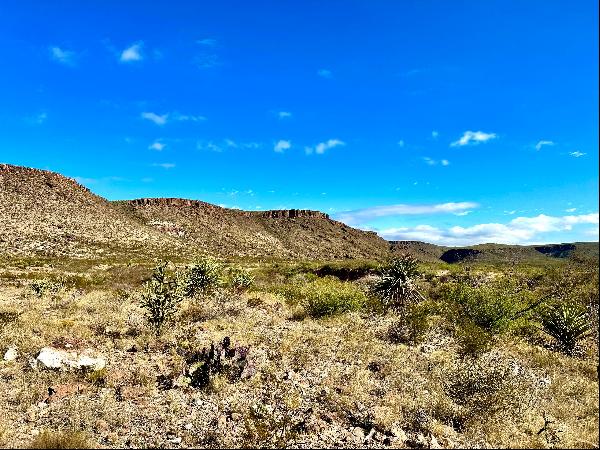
(58,359)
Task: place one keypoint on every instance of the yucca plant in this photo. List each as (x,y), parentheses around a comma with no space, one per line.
(396,286)
(568,323)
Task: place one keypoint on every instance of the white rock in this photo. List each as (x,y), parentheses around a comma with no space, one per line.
(53,358)
(11,354)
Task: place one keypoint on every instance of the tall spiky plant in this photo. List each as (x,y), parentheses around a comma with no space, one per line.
(160,298)
(396,286)
(568,323)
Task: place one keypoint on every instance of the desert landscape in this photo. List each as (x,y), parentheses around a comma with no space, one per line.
(175,323)
(299,224)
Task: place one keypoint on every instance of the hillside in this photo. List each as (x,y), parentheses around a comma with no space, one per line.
(277,233)
(45,213)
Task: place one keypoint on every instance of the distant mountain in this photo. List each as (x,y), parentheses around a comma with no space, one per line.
(45,213)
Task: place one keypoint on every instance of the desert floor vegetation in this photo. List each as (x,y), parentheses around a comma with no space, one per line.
(211,353)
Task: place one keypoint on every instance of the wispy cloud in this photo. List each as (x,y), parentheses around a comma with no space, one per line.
(188,118)
(434,162)
(362,216)
(62,56)
(282,145)
(321,147)
(577,154)
(164,165)
(132,53)
(157,145)
(400,143)
(521,230)
(434,134)
(325,73)
(540,144)
(284,114)
(473,138)
(156,118)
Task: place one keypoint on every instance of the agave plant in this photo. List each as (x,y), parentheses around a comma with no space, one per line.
(568,323)
(396,286)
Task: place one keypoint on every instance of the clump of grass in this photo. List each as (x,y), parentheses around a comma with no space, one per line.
(488,386)
(60,439)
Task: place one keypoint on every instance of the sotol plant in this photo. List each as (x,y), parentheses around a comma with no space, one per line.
(568,323)
(161,297)
(396,286)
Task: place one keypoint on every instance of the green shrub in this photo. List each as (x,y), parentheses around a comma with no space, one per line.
(568,323)
(325,296)
(492,307)
(160,298)
(412,329)
(240,280)
(473,341)
(201,278)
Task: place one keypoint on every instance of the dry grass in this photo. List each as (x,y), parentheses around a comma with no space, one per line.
(325,382)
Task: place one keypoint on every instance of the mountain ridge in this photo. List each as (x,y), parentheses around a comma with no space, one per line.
(46,213)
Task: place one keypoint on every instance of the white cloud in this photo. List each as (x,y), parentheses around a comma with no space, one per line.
(65,57)
(282,145)
(164,165)
(157,145)
(325,73)
(434,134)
(321,147)
(284,114)
(400,143)
(361,216)
(433,162)
(132,53)
(157,119)
(540,144)
(577,154)
(521,230)
(570,210)
(188,118)
(473,138)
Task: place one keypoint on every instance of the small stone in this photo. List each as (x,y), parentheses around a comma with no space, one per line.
(358,433)
(188,426)
(11,354)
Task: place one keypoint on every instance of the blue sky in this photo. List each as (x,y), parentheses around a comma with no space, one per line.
(453,122)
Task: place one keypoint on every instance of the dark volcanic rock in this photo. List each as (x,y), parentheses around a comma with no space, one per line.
(556,250)
(459,254)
